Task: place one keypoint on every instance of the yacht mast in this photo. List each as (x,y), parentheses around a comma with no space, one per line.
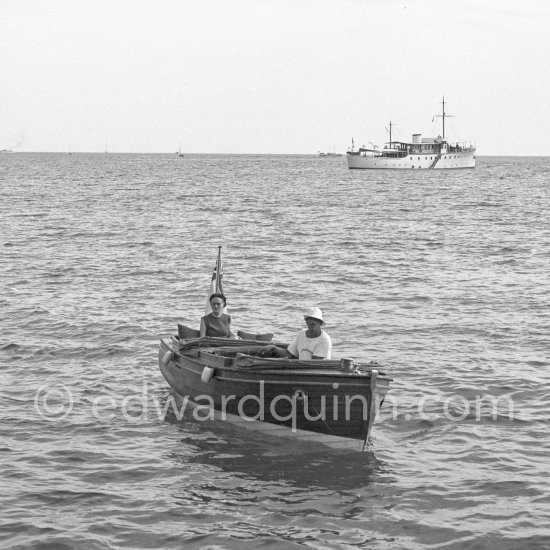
(443,116)
(390,131)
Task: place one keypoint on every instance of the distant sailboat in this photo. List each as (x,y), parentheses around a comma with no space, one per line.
(180,154)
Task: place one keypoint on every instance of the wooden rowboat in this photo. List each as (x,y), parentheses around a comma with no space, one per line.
(331,401)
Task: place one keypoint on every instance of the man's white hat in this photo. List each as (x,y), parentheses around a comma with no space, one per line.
(316,313)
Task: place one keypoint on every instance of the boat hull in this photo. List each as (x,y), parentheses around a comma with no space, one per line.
(464,159)
(301,401)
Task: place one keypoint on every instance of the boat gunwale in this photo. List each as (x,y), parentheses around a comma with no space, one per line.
(318,367)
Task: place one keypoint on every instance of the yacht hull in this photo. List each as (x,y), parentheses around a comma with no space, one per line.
(447,161)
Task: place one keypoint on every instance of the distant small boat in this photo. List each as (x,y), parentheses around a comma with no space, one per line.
(419,153)
(334,154)
(179,153)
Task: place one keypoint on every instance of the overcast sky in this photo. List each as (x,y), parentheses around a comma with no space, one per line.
(272,76)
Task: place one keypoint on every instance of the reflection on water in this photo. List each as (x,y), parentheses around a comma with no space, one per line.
(243,452)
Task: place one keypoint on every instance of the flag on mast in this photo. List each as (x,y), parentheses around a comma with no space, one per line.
(215,283)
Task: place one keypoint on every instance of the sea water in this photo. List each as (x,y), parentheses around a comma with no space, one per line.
(442,276)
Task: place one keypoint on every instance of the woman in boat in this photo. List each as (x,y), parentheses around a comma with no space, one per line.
(217,323)
(310,343)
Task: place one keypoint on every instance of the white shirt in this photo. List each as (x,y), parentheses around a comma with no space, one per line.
(305,348)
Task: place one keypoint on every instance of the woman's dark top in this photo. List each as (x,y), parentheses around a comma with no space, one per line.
(218,326)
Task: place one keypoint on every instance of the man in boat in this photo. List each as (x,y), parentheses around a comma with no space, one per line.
(310,343)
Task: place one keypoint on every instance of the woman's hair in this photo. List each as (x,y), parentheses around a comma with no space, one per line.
(218,295)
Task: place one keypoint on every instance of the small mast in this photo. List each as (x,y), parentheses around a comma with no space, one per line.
(218,270)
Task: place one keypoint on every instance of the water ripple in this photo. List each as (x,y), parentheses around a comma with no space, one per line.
(442,277)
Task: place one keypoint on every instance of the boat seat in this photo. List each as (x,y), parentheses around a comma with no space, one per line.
(186,332)
(258,337)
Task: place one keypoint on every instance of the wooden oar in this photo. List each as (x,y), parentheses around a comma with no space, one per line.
(246,349)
